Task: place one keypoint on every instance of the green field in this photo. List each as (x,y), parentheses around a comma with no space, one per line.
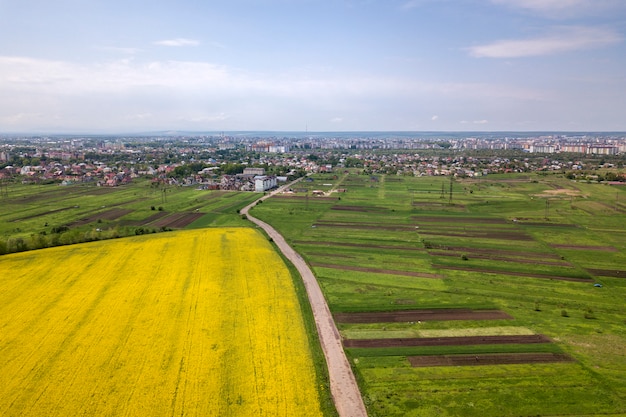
(35,216)
(532,246)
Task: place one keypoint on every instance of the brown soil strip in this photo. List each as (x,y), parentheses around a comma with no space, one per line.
(302,198)
(564,225)
(358,226)
(500,258)
(153,218)
(330,255)
(504,252)
(466,220)
(357,245)
(378,270)
(112,214)
(607,273)
(487,359)
(178,220)
(584,247)
(514,273)
(481,235)
(421,315)
(360,208)
(447,341)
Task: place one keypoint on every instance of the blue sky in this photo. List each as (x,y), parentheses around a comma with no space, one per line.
(110,66)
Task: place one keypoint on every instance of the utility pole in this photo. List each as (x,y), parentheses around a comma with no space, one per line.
(450,201)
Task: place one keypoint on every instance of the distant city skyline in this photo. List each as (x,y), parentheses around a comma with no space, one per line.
(312,65)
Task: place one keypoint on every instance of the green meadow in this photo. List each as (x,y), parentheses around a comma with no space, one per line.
(35,216)
(547,251)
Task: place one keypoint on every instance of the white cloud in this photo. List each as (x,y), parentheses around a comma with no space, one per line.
(128,94)
(563,9)
(178,42)
(563,39)
(435,117)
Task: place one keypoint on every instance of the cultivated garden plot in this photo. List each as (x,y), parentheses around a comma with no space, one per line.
(38,216)
(203,322)
(543,252)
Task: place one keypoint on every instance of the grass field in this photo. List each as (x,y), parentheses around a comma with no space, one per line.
(31,216)
(202,322)
(532,246)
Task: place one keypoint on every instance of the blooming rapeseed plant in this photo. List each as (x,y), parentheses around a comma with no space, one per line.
(202,322)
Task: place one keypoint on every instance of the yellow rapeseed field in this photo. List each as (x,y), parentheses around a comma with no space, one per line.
(202,322)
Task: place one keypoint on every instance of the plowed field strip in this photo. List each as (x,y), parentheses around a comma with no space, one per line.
(464,220)
(377,270)
(356,245)
(500,258)
(480,235)
(177,220)
(357,226)
(111,214)
(513,273)
(446,341)
(487,359)
(360,208)
(608,273)
(502,252)
(421,315)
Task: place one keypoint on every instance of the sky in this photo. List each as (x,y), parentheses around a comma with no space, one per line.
(113,66)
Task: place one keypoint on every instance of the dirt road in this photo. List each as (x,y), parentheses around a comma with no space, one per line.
(343,386)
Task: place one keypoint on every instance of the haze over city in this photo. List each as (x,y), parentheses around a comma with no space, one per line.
(318,65)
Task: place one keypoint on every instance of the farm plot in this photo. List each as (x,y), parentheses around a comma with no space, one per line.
(489,244)
(488,359)
(202,322)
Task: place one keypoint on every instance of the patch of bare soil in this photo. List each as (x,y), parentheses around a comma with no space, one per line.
(356,245)
(608,273)
(421,315)
(446,341)
(560,192)
(360,208)
(377,270)
(112,214)
(585,247)
(514,273)
(498,252)
(156,216)
(488,359)
(363,226)
(480,235)
(303,198)
(500,258)
(330,255)
(464,219)
(547,224)
(178,220)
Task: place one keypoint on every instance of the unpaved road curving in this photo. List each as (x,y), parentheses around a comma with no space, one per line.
(343,386)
